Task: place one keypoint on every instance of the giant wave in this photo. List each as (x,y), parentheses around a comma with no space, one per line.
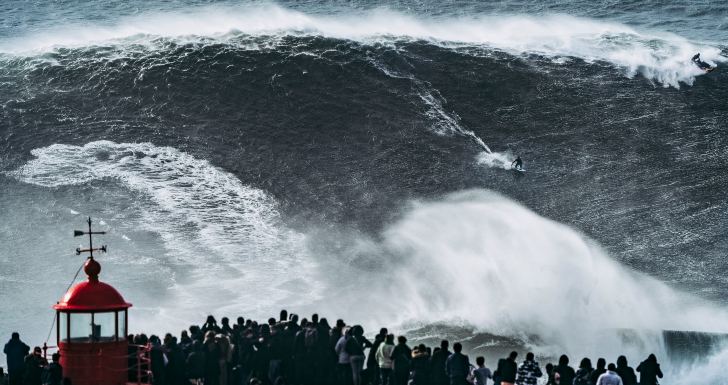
(659,56)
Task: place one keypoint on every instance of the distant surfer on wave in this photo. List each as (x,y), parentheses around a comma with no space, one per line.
(701,64)
(518,163)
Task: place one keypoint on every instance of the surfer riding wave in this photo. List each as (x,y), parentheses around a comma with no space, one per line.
(701,64)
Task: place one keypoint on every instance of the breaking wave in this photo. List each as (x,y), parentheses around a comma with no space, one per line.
(658,56)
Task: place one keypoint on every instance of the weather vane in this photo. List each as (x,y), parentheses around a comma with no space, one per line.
(90,249)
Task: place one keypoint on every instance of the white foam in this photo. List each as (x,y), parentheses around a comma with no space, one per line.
(480,258)
(659,56)
(211,224)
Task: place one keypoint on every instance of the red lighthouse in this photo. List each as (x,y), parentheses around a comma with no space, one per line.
(91,327)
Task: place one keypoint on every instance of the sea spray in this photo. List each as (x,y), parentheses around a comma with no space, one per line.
(659,56)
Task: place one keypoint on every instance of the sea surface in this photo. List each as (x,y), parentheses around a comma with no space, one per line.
(354,158)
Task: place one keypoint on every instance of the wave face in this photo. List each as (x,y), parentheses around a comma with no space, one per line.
(661,57)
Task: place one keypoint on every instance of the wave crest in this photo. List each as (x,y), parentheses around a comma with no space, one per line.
(659,56)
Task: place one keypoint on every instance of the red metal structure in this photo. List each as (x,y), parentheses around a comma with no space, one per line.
(91,328)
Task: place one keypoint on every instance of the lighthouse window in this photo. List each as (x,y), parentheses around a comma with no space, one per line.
(104,326)
(63,326)
(122,324)
(80,327)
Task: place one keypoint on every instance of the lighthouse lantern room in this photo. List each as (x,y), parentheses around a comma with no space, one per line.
(91,326)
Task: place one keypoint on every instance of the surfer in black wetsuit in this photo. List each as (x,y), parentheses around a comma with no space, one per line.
(518,163)
(701,64)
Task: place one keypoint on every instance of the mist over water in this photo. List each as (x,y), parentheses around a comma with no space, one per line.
(355,161)
(473,258)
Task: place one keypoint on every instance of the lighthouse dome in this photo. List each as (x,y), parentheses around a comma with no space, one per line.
(92,295)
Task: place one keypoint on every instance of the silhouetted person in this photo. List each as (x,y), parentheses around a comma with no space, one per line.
(401,361)
(703,66)
(610,377)
(566,373)
(649,371)
(550,374)
(225,327)
(437,363)
(195,363)
(583,374)
(210,324)
(518,163)
(53,373)
(420,366)
(601,369)
(508,369)
(626,372)
(34,364)
(15,350)
(457,366)
(355,347)
(212,358)
(481,373)
(529,371)
(156,356)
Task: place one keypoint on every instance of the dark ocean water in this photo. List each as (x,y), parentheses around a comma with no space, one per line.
(243,154)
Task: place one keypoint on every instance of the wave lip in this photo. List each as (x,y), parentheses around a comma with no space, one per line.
(659,56)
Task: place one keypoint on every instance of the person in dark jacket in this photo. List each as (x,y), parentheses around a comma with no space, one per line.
(33,367)
(401,361)
(566,373)
(355,348)
(212,358)
(195,363)
(601,369)
(550,374)
(529,371)
(15,350)
(649,371)
(583,374)
(420,373)
(53,374)
(457,366)
(508,369)
(625,371)
(437,364)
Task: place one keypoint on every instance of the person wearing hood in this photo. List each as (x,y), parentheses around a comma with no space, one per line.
(564,372)
(649,371)
(420,366)
(529,371)
(401,361)
(15,351)
(625,371)
(583,374)
(601,369)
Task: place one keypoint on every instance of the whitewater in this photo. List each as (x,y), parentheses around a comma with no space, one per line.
(472,258)
(354,161)
(659,56)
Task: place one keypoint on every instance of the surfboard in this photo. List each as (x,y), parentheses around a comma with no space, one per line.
(519,169)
